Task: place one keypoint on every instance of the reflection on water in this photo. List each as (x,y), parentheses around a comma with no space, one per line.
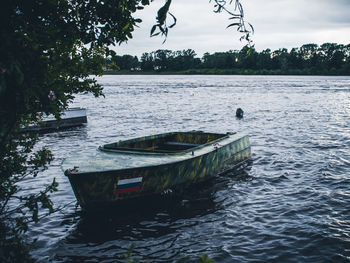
(153,218)
(291,205)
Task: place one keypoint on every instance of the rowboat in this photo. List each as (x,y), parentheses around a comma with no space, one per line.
(152,165)
(70,117)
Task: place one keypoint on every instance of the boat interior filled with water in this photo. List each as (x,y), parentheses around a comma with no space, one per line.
(174,142)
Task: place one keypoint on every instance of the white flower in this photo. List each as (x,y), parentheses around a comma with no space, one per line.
(51,95)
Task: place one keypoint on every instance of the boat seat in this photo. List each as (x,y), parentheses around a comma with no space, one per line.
(184,144)
(165,147)
(127,149)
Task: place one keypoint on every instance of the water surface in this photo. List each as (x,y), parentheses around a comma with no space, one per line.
(291,205)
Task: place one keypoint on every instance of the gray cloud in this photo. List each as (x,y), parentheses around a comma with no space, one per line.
(277,23)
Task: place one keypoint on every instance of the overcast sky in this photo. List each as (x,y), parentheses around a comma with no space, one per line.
(277,24)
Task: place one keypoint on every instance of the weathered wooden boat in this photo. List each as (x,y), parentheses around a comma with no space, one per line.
(70,118)
(152,165)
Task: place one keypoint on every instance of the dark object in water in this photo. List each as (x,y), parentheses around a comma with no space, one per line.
(239,113)
(152,165)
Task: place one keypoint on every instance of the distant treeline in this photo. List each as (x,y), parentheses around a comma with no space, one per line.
(309,59)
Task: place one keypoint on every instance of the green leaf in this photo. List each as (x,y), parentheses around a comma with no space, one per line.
(205,259)
(183,260)
(251,26)
(153,29)
(172,25)
(162,12)
(234,24)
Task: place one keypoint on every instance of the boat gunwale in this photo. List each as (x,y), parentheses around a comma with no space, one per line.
(69,172)
(182,152)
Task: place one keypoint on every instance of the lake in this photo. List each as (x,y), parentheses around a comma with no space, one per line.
(292,204)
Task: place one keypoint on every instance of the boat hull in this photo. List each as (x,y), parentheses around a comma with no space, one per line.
(100,188)
(70,118)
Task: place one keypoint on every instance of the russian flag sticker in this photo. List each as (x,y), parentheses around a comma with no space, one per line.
(128,185)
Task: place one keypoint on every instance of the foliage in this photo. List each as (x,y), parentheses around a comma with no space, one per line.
(125,62)
(12,249)
(159,60)
(161,25)
(309,59)
(48,52)
(128,254)
(203,259)
(236,15)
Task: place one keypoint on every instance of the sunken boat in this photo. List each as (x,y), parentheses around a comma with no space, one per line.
(152,165)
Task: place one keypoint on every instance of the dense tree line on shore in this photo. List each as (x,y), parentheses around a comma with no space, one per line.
(309,59)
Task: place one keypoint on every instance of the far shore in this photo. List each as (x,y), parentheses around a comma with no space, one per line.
(227,72)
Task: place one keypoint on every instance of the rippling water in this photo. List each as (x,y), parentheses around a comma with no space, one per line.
(291,205)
